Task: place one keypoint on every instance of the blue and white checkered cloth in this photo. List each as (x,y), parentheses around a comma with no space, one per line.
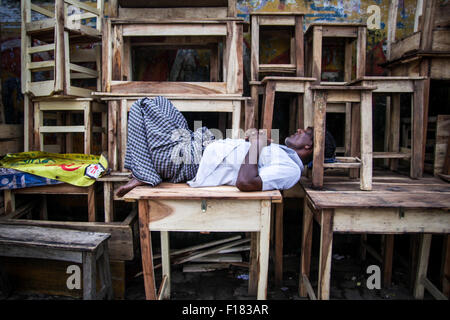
(160,146)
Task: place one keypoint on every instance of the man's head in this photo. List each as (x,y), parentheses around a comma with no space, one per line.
(303,141)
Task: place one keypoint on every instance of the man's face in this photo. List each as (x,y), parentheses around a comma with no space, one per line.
(302,139)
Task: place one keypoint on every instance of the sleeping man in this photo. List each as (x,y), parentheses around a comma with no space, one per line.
(161,147)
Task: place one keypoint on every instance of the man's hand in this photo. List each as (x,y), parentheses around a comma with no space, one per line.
(258,140)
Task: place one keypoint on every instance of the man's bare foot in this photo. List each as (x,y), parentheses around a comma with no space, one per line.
(128,187)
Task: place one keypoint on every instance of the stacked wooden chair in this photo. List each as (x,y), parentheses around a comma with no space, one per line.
(167,24)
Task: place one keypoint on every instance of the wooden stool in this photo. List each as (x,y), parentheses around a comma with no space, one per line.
(350,32)
(395,86)
(87,106)
(324,94)
(87,248)
(213,209)
(60,33)
(296,66)
(343,208)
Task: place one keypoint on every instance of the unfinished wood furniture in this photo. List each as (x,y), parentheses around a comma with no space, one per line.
(120,35)
(266,21)
(396,205)
(124,234)
(137,9)
(65,108)
(395,86)
(178,207)
(345,32)
(64,188)
(425,52)
(88,248)
(52,44)
(360,98)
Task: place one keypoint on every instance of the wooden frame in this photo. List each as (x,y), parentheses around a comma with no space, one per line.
(296,66)
(87,106)
(176,33)
(173,9)
(407,210)
(351,32)
(188,207)
(89,249)
(360,100)
(60,32)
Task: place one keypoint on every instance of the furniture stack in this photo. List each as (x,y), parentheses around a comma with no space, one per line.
(61,67)
(168,25)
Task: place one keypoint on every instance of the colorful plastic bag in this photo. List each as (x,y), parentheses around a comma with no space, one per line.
(76,169)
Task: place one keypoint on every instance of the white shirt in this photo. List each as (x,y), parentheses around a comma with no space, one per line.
(278,166)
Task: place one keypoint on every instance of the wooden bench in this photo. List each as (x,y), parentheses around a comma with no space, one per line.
(178,207)
(88,248)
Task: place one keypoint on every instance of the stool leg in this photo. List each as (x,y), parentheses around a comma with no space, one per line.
(108,200)
(320,107)
(165,260)
(89,276)
(107,272)
(253,264)
(425,244)
(278,244)
(269,100)
(326,247)
(91,204)
(264,243)
(388,254)
(305,262)
(366,141)
(445,274)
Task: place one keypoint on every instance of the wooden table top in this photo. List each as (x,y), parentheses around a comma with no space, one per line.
(182,191)
(387,192)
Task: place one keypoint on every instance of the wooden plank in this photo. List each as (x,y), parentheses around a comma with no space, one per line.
(84,6)
(405,46)
(317,54)
(339,31)
(25,44)
(208,252)
(254,59)
(438,295)
(387,221)
(441,40)
(253,271)
(268,106)
(106,55)
(112,134)
(394,130)
(277,20)
(366,141)
(320,102)
(309,288)
(117,52)
(392,27)
(182,191)
(427,25)
(165,29)
(31,236)
(163,87)
(445,270)
(361,53)
(173,13)
(60,55)
(299,47)
(418,139)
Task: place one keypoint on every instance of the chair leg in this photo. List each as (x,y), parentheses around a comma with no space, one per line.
(89,276)
(305,262)
(278,244)
(422,268)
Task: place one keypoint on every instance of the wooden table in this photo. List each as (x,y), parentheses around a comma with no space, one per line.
(394,206)
(178,207)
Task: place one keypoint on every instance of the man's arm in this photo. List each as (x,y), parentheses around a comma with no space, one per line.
(248,177)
